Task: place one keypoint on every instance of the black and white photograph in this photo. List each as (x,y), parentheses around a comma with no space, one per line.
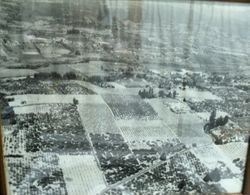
(124,97)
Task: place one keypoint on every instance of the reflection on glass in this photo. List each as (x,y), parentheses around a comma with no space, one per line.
(124,96)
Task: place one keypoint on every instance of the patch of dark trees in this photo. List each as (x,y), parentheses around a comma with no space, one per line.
(7,113)
(243,87)
(3,101)
(147,93)
(115,157)
(213,122)
(213,176)
(13,156)
(56,76)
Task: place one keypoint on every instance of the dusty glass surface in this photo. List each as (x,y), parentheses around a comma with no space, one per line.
(124,97)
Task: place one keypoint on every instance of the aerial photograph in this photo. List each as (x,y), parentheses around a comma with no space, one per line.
(124,97)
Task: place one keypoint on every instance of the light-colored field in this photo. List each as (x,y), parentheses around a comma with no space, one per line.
(140,134)
(46,99)
(82,175)
(235,150)
(147,133)
(117,86)
(231,185)
(187,126)
(134,83)
(164,112)
(41,108)
(97,118)
(8,73)
(51,52)
(210,155)
(92,68)
(130,91)
(179,107)
(61,69)
(139,123)
(195,95)
(142,137)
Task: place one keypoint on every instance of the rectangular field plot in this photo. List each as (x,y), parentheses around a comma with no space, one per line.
(97,118)
(235,150)
(187,126)
(18,171)
(14,141)
(151,152)
(130,107)
(218,157)
(230,171)
(96,88)
(115,157)
(147,133)
(150,144)
(39,86)
(81,174)
(139,123)
(60,130)
(164,112)
(67,87)
(35,175)
(25,86)
(197,96)
(92,68)
(42,108)
(53,99)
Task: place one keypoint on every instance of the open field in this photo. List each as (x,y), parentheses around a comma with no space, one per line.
(187,126)
(233,176)
(169,117)
(139,123)
(51,99)
(147,134)
(93,68)
(82,175)
(205,153)
(61,69)
(97,118)
(235,150)
(25,109)
(196,95)
(9,73)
